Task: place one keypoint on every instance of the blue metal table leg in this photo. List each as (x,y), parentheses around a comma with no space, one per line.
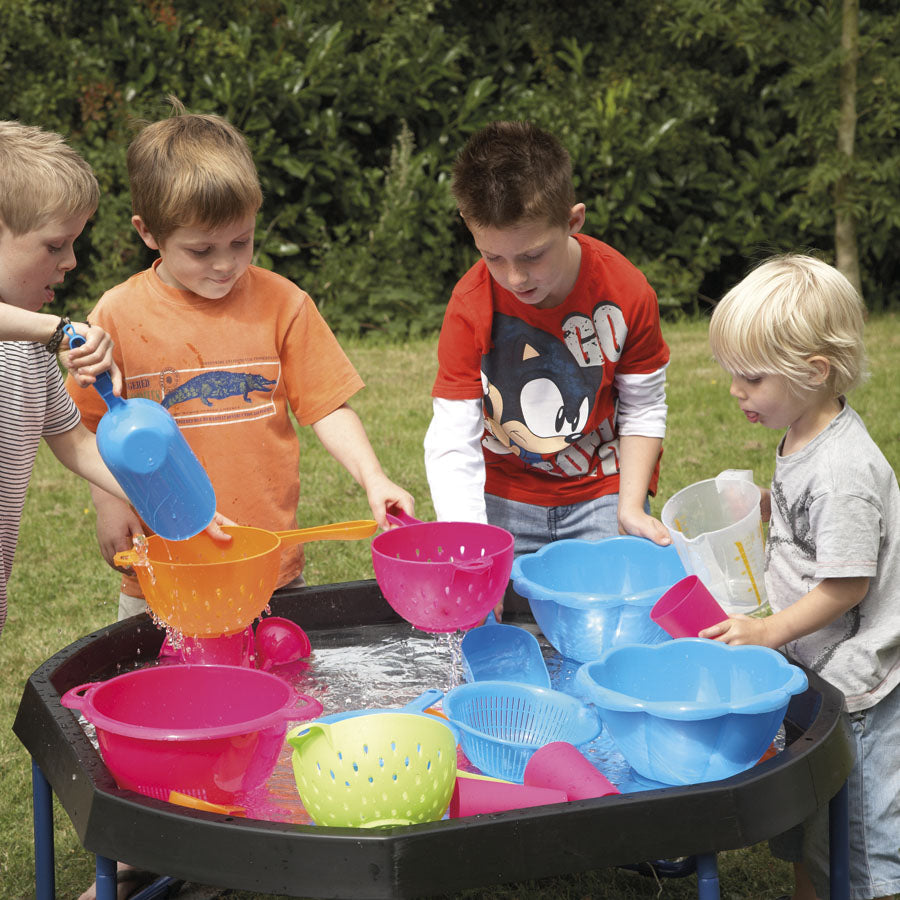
(707,877)
(839,844)
(44,853)
(106,878)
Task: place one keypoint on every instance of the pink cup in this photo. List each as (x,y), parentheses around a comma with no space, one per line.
(686,608)
(474,796)
(563,767)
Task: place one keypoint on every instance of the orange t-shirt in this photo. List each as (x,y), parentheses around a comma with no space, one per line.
(229,371)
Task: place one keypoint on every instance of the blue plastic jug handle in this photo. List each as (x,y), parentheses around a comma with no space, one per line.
(103,382)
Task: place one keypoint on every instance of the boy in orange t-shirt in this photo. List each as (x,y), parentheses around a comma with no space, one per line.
(228,348)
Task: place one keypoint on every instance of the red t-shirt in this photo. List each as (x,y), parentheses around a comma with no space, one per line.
(545,376)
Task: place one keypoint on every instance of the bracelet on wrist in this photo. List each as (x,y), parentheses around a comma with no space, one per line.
(57,337)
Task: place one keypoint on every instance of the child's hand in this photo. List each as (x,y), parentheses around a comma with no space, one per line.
(382,494)
(639,524)
(737,630)
(93,357)
(117,523)
(214,529)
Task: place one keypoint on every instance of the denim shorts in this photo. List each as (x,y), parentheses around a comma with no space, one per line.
(874,787)
(534,526)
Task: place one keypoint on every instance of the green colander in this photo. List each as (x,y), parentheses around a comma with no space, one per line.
(378,769)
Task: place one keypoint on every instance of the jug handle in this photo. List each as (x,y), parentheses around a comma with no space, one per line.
(103,382)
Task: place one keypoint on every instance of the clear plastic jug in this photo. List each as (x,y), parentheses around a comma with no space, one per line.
(717,530)
(147,454)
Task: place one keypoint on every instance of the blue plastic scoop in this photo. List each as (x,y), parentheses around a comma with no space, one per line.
(495,652)
(149,457)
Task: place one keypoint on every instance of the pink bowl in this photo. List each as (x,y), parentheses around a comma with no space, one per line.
(207,731)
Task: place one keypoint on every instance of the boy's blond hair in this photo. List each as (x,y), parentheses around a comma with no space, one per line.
(513,172)
(786,311)
(191,170)
(42,179)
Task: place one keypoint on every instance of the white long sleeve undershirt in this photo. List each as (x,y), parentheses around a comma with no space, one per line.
(454,461)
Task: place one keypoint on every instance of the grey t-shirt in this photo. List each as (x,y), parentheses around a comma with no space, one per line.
(836,514)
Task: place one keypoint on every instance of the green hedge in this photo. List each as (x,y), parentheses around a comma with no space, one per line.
(701,132)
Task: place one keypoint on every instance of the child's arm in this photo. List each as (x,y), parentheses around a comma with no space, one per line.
(85,362)
(641,424)
(828,600)
(343,436)
(77,450)
(454,461)
(637,460)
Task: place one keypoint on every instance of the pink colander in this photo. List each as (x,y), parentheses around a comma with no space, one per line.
(211,732)
(442,576)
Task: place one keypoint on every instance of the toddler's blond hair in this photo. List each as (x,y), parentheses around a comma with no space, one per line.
(191,170)
(786,311)
(42,179)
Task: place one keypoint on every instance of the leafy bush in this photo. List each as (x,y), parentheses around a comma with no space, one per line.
(702,134)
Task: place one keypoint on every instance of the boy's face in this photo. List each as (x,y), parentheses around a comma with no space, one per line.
(204,261)
(32,263)
(534,261)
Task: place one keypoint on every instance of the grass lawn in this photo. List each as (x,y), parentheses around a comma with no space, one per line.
(61,589)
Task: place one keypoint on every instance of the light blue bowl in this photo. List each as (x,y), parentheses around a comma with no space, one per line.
(590,596)
(691,710)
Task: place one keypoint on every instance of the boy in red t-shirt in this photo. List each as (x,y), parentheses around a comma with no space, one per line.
(549,402)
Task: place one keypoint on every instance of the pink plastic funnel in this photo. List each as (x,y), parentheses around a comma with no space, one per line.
(475,796)
(442,576)
(563,767)
(225,650)
(280,641)
(210,732)
(686,608)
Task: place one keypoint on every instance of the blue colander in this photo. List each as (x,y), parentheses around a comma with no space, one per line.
(502,723)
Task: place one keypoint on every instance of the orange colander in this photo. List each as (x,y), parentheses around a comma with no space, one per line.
(203,588)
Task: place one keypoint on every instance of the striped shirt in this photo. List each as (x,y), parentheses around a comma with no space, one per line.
(33,403)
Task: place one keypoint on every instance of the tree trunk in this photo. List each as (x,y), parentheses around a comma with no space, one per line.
(846,249)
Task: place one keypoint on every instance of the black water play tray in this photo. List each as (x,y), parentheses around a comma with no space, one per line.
(417,860)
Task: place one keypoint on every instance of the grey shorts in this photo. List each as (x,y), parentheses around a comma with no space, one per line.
(874,787)
(535,526)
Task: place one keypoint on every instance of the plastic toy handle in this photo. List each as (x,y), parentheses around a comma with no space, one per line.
(126,558)
(309,708)
(187,800)
(298,736)
(76,697)
(339,531)
(103,383)
(398,517)
(424,700)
